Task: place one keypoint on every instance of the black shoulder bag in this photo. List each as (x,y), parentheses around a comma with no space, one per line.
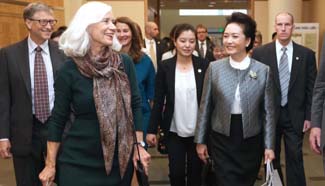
(141,174)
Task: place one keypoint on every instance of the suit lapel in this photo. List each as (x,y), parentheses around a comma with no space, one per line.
(23,64)
(197,74)
(274,65)
(171,77)
(296,60)
(55,57)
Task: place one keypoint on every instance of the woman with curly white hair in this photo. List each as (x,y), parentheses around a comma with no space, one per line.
(100,85)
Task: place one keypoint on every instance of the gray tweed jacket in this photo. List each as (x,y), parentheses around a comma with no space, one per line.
(257,101)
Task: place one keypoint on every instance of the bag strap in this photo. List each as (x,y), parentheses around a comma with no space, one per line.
(136,141)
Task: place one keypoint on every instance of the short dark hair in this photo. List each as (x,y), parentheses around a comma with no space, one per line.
(58,32)
(181,28)
(32,8)
(248,25)
(274,35)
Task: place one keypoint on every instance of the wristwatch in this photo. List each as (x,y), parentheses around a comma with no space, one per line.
(141,143)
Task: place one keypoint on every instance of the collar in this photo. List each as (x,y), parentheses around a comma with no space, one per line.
(204,42)
(278,46)
(149,40)
(242,65)
(32,45)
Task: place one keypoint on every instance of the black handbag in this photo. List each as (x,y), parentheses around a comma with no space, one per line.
(141,175)
(208,173)
(140,172)
(162,142)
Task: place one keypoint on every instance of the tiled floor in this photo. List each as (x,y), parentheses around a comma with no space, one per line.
(159,169)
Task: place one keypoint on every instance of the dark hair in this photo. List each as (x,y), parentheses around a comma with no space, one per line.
(180,28)
(248,25)
(58,32)
(274,35)
(32,8)
(135,48)
(169,41)
(137,26)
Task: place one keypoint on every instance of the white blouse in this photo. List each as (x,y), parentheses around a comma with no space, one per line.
(244,64)
(185,107)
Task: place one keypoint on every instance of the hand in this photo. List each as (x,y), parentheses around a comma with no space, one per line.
(314,139)
(307,125)
(145,158)
(268,155)
(151,140)
(47,175)
(202,152)
(5,147)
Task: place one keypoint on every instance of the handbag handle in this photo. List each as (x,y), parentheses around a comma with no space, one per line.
(136,142)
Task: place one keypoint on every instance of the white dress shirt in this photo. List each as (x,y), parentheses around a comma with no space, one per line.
(244,64)
(279,53)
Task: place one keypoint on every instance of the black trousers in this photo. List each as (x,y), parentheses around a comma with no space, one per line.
(293,142)
(27,168)
(184,164)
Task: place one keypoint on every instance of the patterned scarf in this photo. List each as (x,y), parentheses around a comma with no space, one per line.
(112,96)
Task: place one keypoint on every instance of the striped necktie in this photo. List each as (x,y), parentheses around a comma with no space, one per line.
(202,50)
(284,76)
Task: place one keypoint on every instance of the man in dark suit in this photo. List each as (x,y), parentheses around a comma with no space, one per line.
(152,44)
(27,71)
(317,136)
(204,46)
(294,72)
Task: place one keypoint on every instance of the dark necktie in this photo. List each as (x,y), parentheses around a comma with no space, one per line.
(202,49)
(284,76)
(41,94)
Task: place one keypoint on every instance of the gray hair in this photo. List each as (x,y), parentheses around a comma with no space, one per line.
(32,8)
(75,40)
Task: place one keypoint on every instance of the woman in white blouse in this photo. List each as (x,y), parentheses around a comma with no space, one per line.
(179,81)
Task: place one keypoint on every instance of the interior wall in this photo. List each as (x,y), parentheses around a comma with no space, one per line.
(120,8)
(317,14)
(170,17)
(261,13)
(12,27)
(135,10)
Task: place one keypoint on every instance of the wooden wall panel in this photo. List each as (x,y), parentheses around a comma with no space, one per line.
(12,27)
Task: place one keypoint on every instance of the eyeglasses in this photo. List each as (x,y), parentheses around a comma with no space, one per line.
(201,32)
(44,22)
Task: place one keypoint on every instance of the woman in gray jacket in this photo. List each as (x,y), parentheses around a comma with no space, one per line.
(235,121)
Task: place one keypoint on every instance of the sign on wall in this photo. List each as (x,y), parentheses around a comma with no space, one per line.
(307,34)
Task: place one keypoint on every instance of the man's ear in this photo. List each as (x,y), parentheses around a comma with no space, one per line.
(28,24)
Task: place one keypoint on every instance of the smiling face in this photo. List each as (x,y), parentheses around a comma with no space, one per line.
(123,33)
(38,33)
(185,43)
(102,33)
(235,41)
